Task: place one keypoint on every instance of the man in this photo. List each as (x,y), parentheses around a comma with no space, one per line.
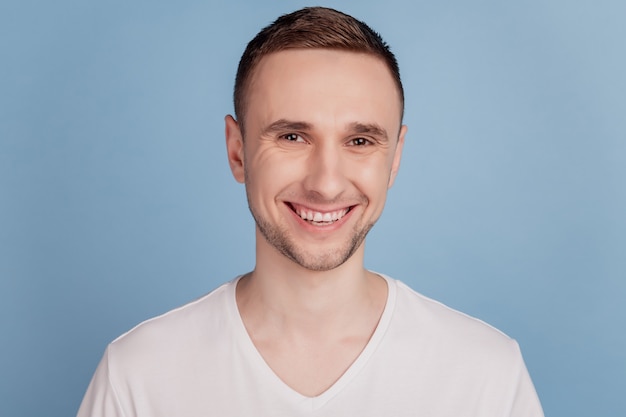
(317,142)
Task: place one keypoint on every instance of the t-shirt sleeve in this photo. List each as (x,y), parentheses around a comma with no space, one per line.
(100,400)
(525,400)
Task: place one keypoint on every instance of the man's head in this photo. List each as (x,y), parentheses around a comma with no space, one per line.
(323,137)
(311,28)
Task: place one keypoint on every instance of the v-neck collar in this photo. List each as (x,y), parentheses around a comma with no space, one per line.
(302,401)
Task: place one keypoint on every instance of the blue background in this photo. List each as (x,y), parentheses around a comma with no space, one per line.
(117,204)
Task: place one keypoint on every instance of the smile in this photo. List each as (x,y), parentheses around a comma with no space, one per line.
(319,217)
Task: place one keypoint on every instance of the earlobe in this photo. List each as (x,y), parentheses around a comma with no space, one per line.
(395,166)
(234,148)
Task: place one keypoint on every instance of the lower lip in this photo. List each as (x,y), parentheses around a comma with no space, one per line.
(321,228)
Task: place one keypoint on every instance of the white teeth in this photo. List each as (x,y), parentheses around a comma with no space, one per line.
(318,217)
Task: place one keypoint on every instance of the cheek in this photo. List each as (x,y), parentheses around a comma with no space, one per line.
(269,171)
(376,168)
(372,177)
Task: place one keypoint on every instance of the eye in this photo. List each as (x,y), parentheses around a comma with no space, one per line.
(292,137)
(359,142)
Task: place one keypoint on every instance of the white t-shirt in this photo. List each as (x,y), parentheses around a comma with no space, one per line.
(424,359)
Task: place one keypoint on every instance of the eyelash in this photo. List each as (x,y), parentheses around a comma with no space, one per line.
(291,137)
(357,142)
(363,142)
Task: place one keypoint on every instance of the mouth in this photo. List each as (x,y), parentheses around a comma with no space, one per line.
(318,218)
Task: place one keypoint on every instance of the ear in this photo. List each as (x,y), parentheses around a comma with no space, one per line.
(395,165)
(234,148)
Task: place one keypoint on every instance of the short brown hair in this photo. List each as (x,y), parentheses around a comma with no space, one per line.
(311,27)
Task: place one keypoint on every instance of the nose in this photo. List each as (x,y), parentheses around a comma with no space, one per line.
(325,175)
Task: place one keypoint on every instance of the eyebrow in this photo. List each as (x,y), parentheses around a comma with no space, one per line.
(283,124)
(372,129)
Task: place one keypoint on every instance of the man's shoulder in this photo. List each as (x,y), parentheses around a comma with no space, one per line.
(202,316)
(420,316)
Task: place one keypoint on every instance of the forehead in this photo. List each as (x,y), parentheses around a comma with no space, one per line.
(305,84)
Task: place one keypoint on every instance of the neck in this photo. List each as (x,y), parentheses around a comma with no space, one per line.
(283,293)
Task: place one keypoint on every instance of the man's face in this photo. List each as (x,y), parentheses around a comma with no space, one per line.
(322,145)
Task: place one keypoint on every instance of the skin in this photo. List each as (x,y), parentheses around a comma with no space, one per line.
(323,141)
